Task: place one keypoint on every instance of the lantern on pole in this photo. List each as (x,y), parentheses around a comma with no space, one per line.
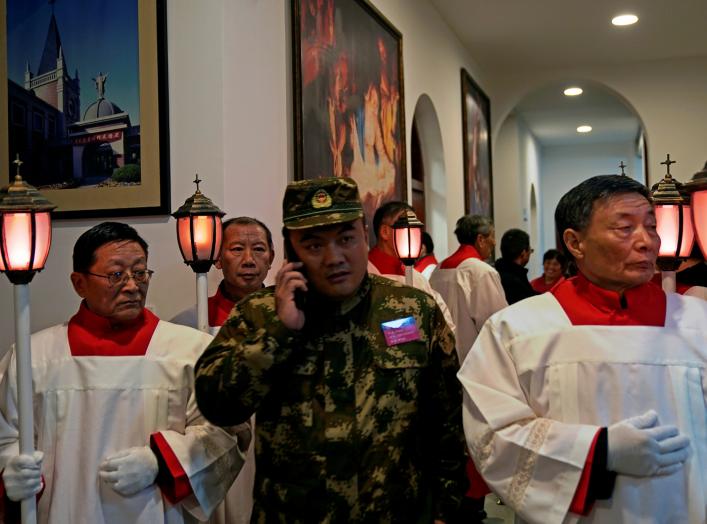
(697,188)
(407,239)
(674,225)
(199,238)
(25,238)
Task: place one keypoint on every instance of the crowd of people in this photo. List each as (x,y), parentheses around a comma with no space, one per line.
(339,394)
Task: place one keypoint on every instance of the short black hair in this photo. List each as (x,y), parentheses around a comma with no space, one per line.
(574,211)
(556,254)
(469,227)
(104,233)
(249,221)
(513,243)
(387,210)
(427,242)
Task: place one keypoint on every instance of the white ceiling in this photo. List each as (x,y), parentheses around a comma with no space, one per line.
(562,33)
(523,34)
(553,117)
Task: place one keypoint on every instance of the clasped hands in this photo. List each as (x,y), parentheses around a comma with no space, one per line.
(127,472)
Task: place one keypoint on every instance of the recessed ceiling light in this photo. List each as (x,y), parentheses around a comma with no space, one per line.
(584,129)
(624,20)
(573,91)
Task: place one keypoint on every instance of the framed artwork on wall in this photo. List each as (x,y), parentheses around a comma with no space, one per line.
(476,132)
(348,96)
(83,87)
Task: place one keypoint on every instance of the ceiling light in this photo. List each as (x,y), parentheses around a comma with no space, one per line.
(573,91)
(584,129)
(624,20)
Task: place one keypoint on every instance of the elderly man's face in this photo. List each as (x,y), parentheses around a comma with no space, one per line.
(619,248)
(335,257)
(485,244)
(245,258)
(120,303)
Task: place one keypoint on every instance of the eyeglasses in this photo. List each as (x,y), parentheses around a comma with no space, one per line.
(120,278)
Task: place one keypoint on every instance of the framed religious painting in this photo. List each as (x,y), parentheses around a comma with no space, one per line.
(83,86)
(348,94)
(476,130)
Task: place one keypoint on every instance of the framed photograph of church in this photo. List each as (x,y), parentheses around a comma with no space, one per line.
(348,96)
(84,83)
(476,130)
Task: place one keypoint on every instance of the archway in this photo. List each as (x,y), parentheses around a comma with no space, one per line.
(545,155)
(429,183)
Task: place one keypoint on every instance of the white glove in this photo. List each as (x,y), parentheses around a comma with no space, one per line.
(130,470)
(639,447)
(23,476)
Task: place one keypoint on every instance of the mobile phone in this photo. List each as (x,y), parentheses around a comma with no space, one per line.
(300,295)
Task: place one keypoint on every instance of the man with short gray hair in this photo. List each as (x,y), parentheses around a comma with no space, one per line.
(588,402)
(470,287)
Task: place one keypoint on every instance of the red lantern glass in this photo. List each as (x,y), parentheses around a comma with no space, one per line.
(199,237)
(199,231)
(699,218)
(407,237)
(25,230)
(675,230)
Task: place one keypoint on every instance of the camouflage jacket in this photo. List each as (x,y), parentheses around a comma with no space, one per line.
(348,428)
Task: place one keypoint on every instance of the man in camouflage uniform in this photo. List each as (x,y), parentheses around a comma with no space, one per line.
(357,422)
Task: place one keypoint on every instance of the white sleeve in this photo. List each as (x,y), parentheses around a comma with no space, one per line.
(534,464)
(210,457)
(485,298)
(422,283)
(9,418)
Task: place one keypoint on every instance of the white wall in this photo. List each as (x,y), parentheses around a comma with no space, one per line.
(231,121)
(517,159)
(563,167)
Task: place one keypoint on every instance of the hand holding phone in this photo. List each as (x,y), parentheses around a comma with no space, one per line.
(288,282)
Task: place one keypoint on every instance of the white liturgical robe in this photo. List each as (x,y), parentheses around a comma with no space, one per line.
(537,389)
(90,407)
(473,292)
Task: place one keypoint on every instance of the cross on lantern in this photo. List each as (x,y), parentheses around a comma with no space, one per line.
(18,163)
(668,162)
(622,165)
(197,180)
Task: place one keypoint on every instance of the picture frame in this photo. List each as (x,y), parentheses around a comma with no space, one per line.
(349,112)
(86,93)
(476,133)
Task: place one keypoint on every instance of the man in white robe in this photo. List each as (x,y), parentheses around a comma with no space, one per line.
(588,403)
(246,255)
(118,433)
(471,288)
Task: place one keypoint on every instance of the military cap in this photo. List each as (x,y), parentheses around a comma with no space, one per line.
(320,202)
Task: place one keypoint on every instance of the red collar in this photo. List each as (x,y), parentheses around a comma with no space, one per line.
(587,304)
(219,308)
(91,335)
(385,264)
(464,252)
(425,262)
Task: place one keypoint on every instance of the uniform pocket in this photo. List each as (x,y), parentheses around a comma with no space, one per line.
(409,355)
